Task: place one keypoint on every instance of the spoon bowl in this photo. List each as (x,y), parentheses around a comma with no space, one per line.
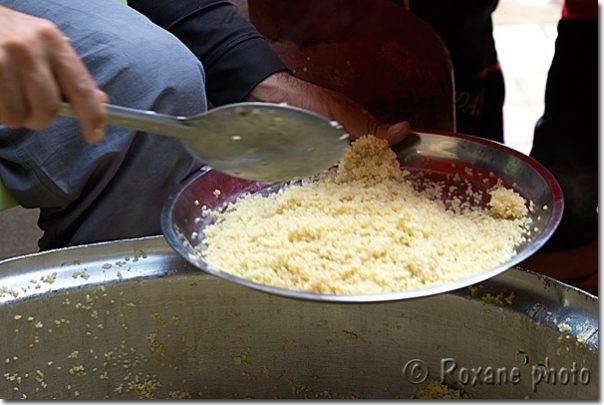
(253,141)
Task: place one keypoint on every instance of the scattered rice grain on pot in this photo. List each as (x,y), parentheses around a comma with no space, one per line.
(437,390)
(361,228)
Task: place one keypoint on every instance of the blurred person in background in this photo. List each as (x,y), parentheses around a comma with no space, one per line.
(566,137)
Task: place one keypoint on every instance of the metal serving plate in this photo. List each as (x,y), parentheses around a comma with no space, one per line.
(443,154)
(131,319)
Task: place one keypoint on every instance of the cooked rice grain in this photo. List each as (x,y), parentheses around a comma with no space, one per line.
(360,229)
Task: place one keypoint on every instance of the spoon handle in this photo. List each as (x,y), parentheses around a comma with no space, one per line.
(145,121)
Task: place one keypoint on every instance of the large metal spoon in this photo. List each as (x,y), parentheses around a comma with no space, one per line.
(254,141)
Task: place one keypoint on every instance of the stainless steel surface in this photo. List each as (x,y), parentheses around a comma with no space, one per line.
(131,319)
(444,154)
(253,141)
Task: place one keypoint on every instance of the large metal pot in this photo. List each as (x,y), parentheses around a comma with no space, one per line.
(132,319)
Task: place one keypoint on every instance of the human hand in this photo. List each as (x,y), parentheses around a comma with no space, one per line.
(283,87)
(38,67)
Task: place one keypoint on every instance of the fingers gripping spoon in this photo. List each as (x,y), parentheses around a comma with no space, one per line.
(254,141)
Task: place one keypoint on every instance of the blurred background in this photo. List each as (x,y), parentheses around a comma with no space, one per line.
(531,23)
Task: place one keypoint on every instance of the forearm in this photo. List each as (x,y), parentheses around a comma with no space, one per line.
(279,87)
(240,64)
(235,55)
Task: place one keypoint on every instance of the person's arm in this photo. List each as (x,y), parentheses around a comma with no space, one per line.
(284,87)
(240,65)
(235,56)
(38,68)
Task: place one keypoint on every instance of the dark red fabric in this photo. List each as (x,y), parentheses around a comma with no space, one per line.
(580,10)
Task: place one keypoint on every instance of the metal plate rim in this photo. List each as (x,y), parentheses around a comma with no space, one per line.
(557,209)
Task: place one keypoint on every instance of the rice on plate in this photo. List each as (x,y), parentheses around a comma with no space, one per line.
(364,227)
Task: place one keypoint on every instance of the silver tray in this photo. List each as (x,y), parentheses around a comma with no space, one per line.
(444,154)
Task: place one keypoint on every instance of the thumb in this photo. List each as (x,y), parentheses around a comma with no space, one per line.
(393,133)
(359,122)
